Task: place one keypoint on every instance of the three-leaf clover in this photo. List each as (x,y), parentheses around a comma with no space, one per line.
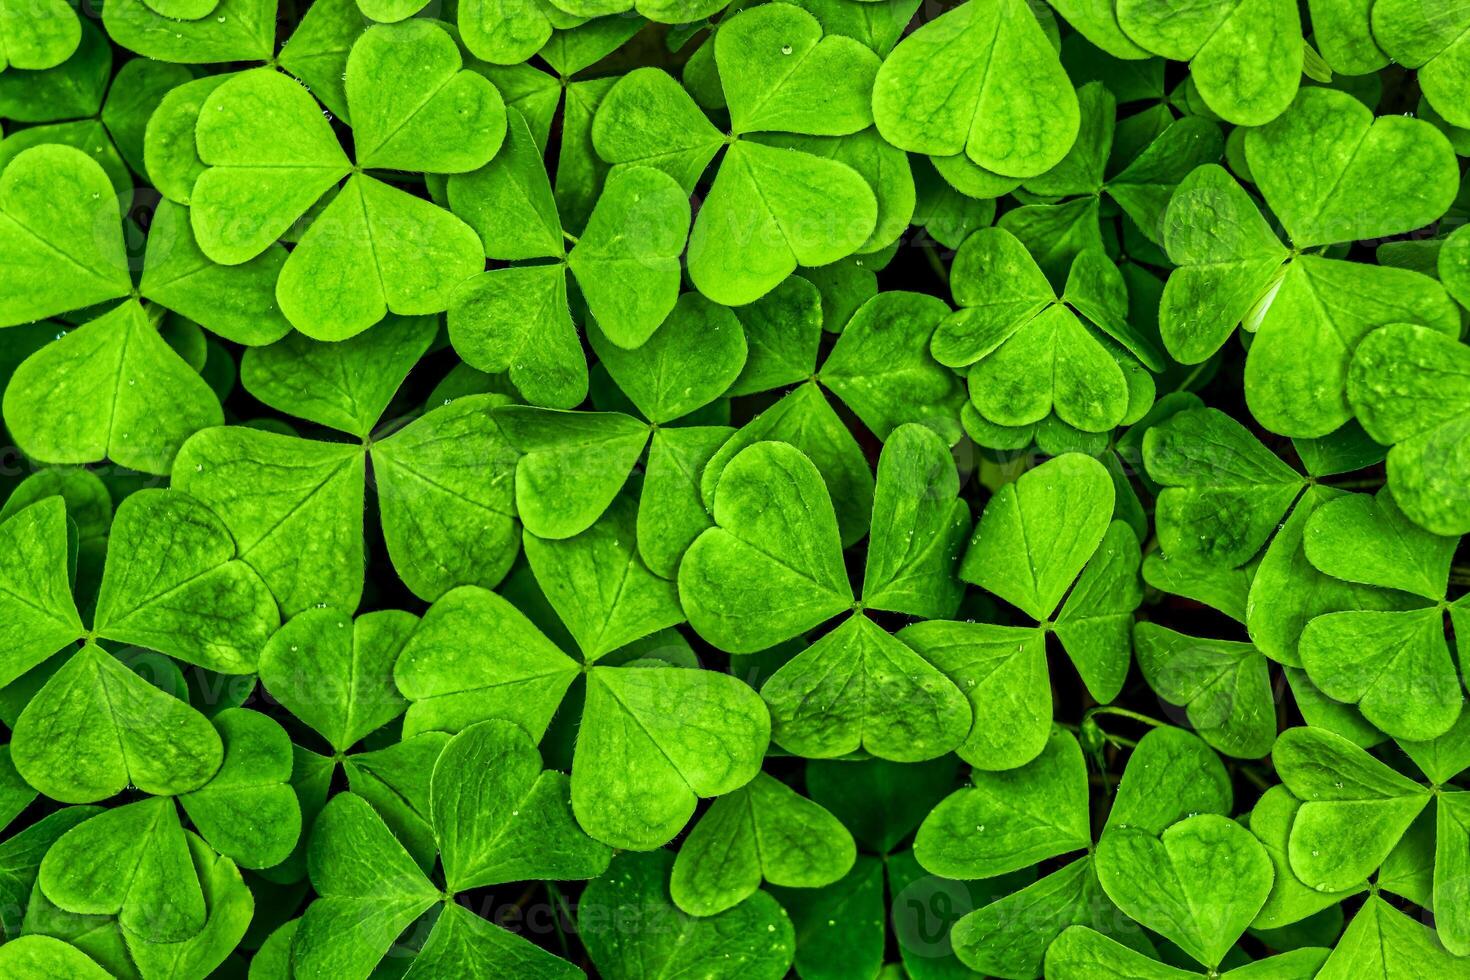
(763,215)
(373,248)
(295,505)
(1308,312)
(1093,566)
(496,816)
(1356,811)
(771,569)
(172,583)
(626,265)
(1029,353)
(653,737)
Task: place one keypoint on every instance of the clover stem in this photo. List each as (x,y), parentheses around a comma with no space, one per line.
(558,909)
(1189,378)
(569,236)
(938,266)
(1108,709)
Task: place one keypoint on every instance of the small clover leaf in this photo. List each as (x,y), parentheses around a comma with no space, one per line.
(599,586)
(1406,388)
(764,831)
(753,940)
(626,265)
(150,400)
(38,614)
(1030,353)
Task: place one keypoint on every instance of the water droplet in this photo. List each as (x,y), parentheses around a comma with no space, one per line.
(785,49)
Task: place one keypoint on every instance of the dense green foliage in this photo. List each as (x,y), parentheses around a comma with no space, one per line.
(691,488)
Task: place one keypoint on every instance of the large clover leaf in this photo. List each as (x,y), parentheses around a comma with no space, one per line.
(373,248)
(1406,386)
(771,568)
(1235,271)
(626,264)
(982,80)
(775,66)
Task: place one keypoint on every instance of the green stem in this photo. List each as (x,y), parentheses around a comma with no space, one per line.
(559,907)
(1109,709)
(938,266)
(1189,378)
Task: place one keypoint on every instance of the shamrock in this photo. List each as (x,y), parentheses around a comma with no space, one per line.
(1405,385)
(496,816)
(444,523)
(172,583)
(1234,270)
(1223,499)
(626,263)
(1029,352)
(779,74)
(653,737)
(1002,669)
(1349,799)
(1103,168)
(883,351)
(1172,781)
(771,569)
(1395,665)
(406,253)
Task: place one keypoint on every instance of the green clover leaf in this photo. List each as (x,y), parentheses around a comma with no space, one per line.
(1236,271)
(984,80)
(1402,365)
(753,939)
(764,831)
